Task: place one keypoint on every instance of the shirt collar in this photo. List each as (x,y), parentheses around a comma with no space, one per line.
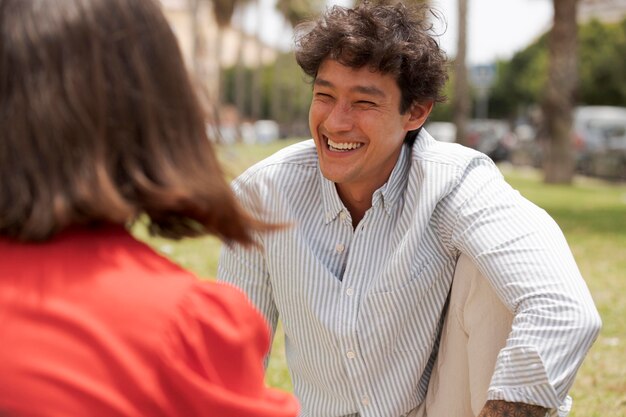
(387,195)
(330,199)
(393,189)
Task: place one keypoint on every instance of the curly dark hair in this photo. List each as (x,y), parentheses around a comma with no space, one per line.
(392,39)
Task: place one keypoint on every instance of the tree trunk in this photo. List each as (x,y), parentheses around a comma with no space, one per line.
(559,98)
(200,60)
(461,102)
(276,104)
(199,42)
(257,93)
(240,85)
(219,44)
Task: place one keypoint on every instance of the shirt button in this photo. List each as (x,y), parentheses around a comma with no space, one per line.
(339,248)
(365,400)
(350,291)
(342,215)
(350,354)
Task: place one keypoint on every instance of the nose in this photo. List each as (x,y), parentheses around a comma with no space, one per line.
(339,119)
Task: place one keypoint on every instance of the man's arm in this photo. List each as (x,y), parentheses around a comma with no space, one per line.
(246,270)
(524,255)
(498,408)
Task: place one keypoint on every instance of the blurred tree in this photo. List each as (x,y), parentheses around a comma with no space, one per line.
(602,71)
(295,93)
(602,64)
(461,103)
(241,86)
(198,38)
(520,81)
(257,74)
(559,97)
(284,96)
(223,11)
(443,112)
(296,11)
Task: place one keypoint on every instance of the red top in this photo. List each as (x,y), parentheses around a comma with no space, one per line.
(95,323)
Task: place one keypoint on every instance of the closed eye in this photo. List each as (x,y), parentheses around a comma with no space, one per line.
(323,97)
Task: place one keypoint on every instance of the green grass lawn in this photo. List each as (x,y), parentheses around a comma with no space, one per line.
(592,215)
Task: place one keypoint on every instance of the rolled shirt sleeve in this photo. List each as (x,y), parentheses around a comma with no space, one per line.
(524,255)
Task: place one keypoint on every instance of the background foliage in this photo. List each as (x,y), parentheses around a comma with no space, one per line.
(520,81)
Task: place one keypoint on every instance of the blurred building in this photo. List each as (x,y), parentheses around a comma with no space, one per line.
(608,11)
(201,41)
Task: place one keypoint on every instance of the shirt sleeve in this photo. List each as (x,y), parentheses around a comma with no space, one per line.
(524,255)
(213,358)
(246,268)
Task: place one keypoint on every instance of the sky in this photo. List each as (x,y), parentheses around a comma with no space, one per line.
(496,28)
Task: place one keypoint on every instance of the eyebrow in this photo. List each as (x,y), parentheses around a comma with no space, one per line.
(364,89)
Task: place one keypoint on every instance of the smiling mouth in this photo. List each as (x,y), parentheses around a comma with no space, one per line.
(342,146)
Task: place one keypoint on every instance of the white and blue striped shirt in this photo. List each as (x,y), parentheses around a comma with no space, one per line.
(361,307)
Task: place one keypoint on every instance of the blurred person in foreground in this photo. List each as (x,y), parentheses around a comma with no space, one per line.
(100,125)
(392,230)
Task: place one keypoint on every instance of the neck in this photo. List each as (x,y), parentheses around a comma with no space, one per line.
(357,201)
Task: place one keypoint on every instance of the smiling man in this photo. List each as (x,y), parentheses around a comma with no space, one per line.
(359,129)
(413,280)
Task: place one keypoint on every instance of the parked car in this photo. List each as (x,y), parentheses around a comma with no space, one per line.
(600,141)
(442,131)
(491,137)
(266,131)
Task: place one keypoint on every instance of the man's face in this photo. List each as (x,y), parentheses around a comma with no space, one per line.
(357,126)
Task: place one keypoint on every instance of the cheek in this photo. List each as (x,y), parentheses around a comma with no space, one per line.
(311,115)
(316,111)
(317,115)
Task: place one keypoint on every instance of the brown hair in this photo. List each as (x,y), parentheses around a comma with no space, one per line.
(100,123)
(392,39)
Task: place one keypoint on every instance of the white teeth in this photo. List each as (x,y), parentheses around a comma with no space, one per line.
(345,146)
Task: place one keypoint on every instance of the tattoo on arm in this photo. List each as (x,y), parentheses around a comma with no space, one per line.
(498,408)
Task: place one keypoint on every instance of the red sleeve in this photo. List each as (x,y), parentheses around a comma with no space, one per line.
(213,358)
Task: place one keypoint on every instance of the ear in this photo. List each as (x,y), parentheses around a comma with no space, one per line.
(418,113)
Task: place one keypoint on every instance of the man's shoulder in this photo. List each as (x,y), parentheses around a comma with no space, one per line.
(296,160)
(433,155)
(427,149)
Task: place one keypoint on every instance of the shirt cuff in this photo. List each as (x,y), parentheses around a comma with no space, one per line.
(520,376)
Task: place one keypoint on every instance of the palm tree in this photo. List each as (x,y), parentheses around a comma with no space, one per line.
(295,11)
(222,11)
(256,74)
(199,47)
(558,101)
